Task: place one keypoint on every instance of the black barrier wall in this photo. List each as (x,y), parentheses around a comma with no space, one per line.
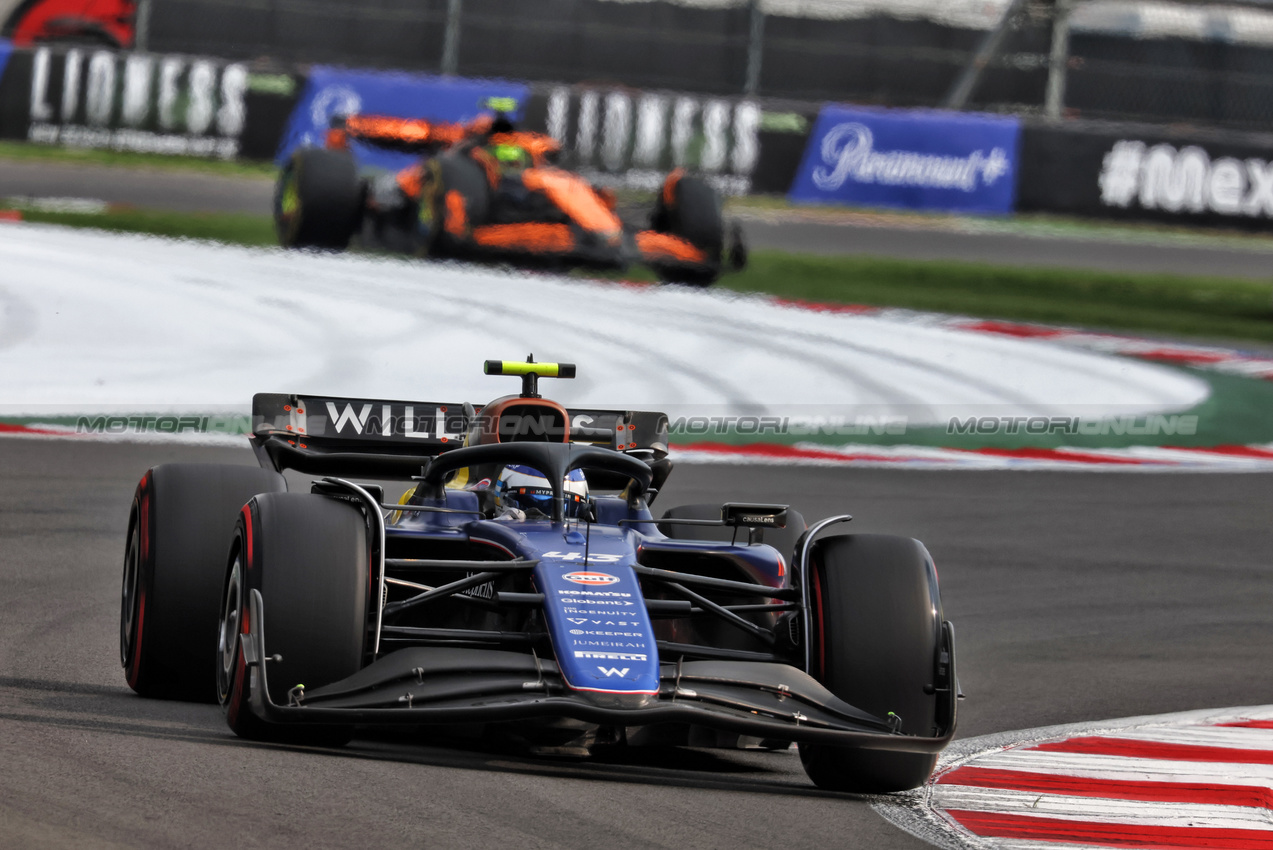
(170,104)
(1137,171)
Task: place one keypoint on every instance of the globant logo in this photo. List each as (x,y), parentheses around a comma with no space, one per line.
(848,154)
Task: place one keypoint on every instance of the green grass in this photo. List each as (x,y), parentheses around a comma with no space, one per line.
(232,228)
(1156,303)
(25,151)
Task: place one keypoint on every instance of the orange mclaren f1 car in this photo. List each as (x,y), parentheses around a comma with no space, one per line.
(485,191)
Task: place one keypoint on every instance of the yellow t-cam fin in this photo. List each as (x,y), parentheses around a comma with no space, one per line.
(517,367)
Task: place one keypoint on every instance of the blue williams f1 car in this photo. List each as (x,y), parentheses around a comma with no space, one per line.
(522,584)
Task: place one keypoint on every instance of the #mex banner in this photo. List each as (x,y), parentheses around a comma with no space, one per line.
(914,159)
(336,91)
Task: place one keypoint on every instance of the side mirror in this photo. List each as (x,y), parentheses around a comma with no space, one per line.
(742,515)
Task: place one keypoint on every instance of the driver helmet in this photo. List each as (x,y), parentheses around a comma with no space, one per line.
(526,489)
(511,156)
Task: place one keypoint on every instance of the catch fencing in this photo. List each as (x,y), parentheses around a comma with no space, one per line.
(1188,61)
(623,136)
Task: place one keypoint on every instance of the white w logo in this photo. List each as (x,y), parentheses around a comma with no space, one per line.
(347,416)
(614,671)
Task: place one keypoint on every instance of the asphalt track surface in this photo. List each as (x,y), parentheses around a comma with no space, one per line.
(194,192)
(1076,596)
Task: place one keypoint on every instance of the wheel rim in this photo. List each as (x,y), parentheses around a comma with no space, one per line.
(129,596)
(228,639)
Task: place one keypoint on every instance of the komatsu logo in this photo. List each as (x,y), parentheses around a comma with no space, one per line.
(589,578)
(606,593)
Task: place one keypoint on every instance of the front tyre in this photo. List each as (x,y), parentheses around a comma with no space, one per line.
(689,208)
(456,198)
(877,645)
(308,557)
(179,529)
(318,200)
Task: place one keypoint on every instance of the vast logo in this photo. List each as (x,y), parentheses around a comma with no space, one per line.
(848,153)
(590,578)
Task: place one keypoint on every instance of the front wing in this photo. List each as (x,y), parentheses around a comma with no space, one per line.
(453,685)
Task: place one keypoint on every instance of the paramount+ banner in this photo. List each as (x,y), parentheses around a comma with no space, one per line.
(149,103)
(1142,172)
(911,159)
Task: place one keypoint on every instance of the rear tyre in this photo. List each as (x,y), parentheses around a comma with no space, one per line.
(876,645)
(318,200)
(457,197)
(782,539)
(691,209)
(179,529)
(307,555)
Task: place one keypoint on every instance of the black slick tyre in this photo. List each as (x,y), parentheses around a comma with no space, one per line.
(457,196)
(782,539)
(318,200)
(876,644)
(690,208)
(179,530)
(307,555)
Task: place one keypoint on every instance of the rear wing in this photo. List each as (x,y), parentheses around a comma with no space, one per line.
(411,135)
(327,435)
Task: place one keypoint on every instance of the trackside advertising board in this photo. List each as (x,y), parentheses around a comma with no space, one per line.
(1138,171)
(923,160)
(88,97)
(620,136)
(337,91)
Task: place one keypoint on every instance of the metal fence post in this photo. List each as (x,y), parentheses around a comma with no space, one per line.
(451,40)
(141,26)
(755,48)
(1054,98)
(957,97)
